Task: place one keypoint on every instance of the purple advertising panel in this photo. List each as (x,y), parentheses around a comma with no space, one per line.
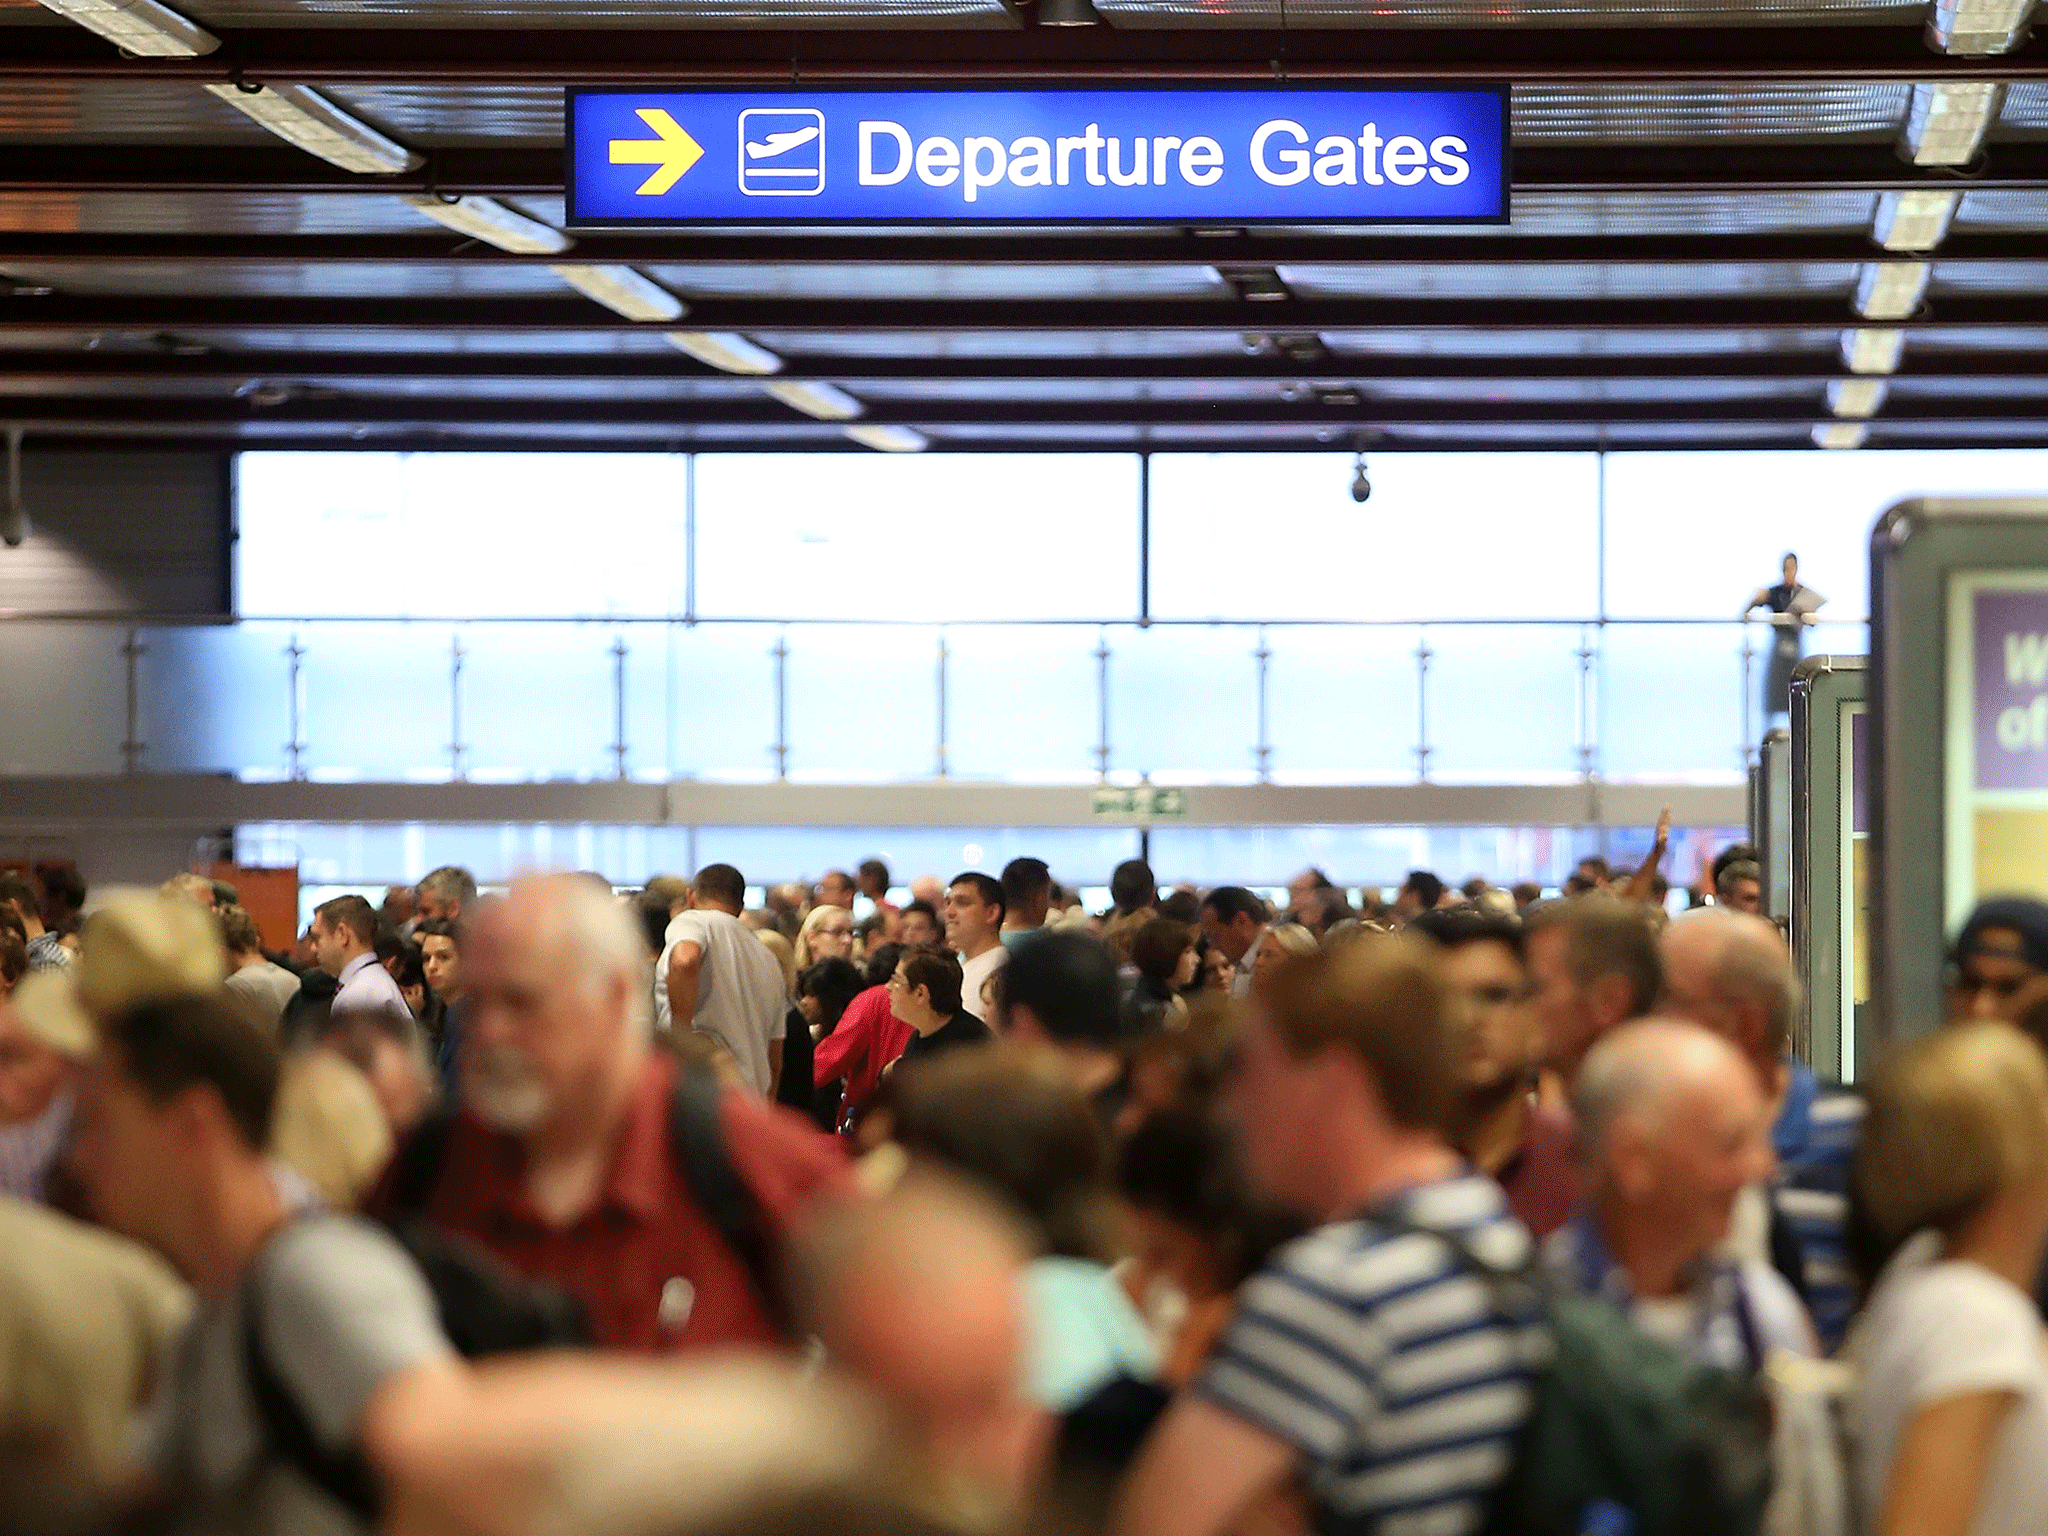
(2010,673)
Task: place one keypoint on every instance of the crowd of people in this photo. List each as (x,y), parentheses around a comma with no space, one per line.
(964,1208)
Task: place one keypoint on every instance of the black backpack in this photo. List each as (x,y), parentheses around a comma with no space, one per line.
(485,1307)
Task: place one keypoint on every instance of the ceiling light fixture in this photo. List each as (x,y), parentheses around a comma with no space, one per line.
(622,291)
(887,439)
(1914,221)
(1971,27)
(1256,285)
(1873,349)
(1067,13)
(140,27)
(1361,486)
(1947,121)
(304,117)
(1856,397)
(1891,290)
(827,402)
(1841,434)
(726,350)
(488,220)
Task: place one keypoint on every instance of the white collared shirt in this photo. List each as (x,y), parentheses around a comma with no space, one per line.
(364,986)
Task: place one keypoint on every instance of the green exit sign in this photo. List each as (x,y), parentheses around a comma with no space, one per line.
(1142,801)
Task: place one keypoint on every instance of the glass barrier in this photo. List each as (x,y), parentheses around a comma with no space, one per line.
(833,702)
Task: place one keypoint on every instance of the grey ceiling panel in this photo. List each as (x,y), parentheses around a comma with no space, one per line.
(305,280)
(1680,114)
(1570,344)
(1690,213)
(2003,209)
(1494,13)
(1566,280)
(2025,111)
(1014,344)
(941,282)
(124,111)
(460,115)
(1992,277)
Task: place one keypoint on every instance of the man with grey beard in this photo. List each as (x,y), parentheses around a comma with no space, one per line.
(560,1159)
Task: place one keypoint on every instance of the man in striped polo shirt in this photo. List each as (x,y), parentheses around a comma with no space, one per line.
(1364,1359)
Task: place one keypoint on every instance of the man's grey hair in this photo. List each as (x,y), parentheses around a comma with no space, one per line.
(451,882)
(608,942)
(1752,965)
(1627,1073)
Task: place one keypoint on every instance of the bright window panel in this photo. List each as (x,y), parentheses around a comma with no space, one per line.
(1445,536)
(538,701)
(1504,702)
(1184,703)
(863,703)
(461,535)
(1022,703)
(1672,700)
(216,700)
(1695,535)
(378,701)
(1083,855)
(718,702)
(63,698)
(935,536)
(1341,704)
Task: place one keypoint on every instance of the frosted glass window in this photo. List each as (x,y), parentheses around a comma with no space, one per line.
(1672,700)
(1694,535)
(936,536)
(863,702)
(1504,702)
(537,701)
(1078,855)
(378,701)
(460,535)
(719,717)
(1184,703)
(1263,536)
(1379,857)
(215,700)
(1022,703)
(63,698)
(1341,704)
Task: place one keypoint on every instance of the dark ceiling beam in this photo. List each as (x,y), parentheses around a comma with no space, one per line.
(1633,168)
(628,418)
(103,313)
(22,248)
(54,369)
(770,57)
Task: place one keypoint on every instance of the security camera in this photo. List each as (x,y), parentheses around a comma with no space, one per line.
(1361,488)
(14,524)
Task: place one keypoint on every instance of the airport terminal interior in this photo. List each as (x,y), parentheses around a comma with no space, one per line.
(1149,767)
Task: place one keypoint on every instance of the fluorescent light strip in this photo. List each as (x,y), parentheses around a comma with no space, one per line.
(488,220)
(827,402)
(887,439)
(623,291)
(1971,27)
(1841,434)
(1914,221)
(726,350)
(1873,349)
(1856,397)
(140,27)
(304,117)
(1947,121)
(1891,290)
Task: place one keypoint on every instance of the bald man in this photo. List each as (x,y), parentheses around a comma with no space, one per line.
(560,1161)
(1672,1127)
(1731,972)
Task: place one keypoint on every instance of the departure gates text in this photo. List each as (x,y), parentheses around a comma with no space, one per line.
(1191,157)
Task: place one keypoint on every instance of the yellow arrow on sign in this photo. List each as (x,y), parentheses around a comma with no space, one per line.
(674,152)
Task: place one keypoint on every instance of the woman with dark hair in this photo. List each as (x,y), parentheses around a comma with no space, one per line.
(1164,953)
(823,991)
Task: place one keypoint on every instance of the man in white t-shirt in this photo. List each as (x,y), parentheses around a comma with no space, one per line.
(715,976)
(974,928)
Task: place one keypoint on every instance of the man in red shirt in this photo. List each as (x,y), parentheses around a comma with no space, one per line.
(560,1161)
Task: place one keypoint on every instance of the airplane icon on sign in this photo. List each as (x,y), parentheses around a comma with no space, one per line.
(782,152)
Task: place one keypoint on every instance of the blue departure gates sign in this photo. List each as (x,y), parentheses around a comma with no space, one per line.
(1295,155)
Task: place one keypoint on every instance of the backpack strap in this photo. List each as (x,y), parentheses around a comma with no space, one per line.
(283,1428)
(697,1141)
(417,1166)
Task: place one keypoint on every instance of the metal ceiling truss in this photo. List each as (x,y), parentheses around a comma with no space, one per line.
(1367,54)
(1600,168)
(150,315)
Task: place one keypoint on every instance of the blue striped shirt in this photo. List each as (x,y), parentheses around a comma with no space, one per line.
(1389,1367)
(1816,1139)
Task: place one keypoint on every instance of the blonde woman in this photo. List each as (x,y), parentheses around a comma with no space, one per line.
(1952,1411)
(1284,942)
(827,934)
